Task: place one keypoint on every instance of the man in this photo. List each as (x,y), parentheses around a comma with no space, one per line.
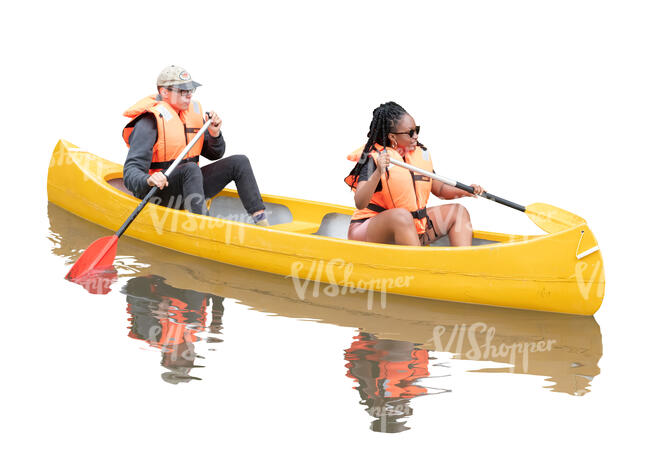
(162,126)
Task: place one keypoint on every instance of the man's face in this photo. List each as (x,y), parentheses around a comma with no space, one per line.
(178,99)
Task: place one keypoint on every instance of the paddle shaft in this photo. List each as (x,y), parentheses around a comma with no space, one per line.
(167,173)
(456,184)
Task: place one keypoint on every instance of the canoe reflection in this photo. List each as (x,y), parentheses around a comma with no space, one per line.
(565,349)
(169,319)
(387,372)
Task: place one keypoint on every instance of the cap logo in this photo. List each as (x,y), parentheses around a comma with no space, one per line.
(184,76)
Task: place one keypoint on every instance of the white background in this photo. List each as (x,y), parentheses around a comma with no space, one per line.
(536,101)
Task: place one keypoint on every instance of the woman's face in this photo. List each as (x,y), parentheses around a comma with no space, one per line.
(400,138)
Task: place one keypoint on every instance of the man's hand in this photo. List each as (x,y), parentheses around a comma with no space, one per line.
(215,128)
(158,179)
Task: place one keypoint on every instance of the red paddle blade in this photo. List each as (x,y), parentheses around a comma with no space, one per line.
(98,256)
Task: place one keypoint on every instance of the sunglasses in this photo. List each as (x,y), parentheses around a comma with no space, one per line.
(411,132)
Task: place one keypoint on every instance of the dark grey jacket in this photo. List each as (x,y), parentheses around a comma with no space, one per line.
(142,139)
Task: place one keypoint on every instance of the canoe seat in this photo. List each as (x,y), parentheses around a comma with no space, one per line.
(231,208)
(334,225)
(119,184)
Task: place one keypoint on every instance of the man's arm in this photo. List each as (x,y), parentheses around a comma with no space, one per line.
(136,167)
(213,147)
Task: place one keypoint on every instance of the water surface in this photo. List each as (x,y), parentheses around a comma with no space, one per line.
(392,359)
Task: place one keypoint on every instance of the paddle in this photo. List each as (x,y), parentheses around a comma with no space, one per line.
(101,253)
(549,218)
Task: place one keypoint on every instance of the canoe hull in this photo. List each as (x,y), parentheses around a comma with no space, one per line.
(527,272)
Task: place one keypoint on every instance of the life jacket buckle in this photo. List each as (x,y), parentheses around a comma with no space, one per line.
(419,214)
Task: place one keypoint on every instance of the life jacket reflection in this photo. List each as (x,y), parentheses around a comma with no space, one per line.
(387,371)
(400,188)
(175,130)
(169,319)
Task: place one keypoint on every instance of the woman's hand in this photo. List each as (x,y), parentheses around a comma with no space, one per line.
(477,189)
(383,161)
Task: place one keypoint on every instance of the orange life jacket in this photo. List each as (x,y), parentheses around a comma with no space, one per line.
(400,188)
(175,130)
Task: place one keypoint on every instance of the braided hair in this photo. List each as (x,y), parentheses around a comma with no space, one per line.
(385,118)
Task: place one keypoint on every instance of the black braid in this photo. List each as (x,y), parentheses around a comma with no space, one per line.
(384,119)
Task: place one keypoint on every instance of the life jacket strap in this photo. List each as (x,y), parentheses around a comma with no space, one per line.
(166,164)
(417,214)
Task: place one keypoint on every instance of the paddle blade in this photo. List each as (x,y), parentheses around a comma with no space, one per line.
(98,256)
(552,219)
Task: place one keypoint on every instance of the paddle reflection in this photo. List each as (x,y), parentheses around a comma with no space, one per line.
(388,374)
(169,319)
(97,281)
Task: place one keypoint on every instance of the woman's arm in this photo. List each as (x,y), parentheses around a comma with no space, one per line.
(444,191)
(366,188)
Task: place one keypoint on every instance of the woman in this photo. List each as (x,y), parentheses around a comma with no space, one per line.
(391,203)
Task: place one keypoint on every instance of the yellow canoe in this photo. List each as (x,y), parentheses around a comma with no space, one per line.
(560,271)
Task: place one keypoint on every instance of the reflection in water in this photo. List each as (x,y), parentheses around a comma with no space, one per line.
(565,349)
(95,282)
(387,372)
(98,281)
(169,319)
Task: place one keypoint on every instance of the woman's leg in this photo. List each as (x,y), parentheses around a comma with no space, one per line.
(394,226)
(453,220)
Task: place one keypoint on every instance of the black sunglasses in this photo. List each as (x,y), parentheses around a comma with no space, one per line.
(411,132)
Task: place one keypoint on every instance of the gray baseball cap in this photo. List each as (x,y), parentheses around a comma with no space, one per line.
(176,77)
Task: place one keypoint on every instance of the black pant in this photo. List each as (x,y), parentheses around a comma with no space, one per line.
(190,185)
